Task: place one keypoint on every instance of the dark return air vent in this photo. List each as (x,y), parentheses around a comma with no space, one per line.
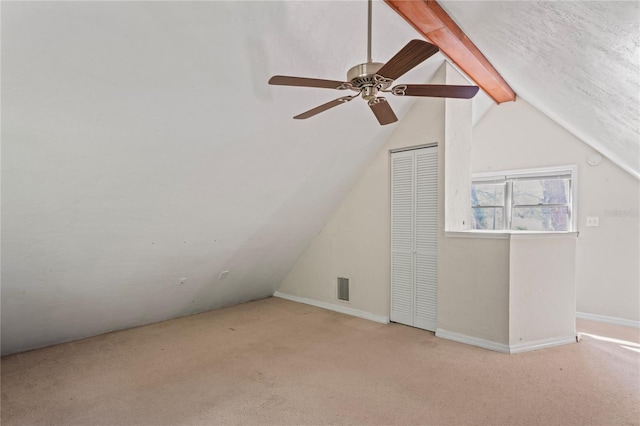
(343,288)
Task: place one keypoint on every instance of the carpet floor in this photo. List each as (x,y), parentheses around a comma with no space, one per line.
(276,362)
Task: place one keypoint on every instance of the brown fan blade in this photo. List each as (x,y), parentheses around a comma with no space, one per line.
(324,107)
(435,90)
(283,80)
(414,53)
(383,111)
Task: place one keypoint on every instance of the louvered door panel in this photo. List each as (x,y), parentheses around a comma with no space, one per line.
(402,240)
(426,238)
(426,307)
(402,293)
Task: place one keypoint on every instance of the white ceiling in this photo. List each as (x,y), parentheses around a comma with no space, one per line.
(141,145)
(576,61)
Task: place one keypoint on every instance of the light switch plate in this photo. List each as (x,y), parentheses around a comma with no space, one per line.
(593,221)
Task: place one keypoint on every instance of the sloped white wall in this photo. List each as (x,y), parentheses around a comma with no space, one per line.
(141,144)
(517,136)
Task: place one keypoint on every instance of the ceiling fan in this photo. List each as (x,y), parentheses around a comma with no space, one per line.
(371,78)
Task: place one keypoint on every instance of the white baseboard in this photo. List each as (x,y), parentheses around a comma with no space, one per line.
(541,344)
(501,347)
(610,320)
(334,307)
(475,341)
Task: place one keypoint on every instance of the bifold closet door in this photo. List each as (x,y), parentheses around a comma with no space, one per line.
(414,237)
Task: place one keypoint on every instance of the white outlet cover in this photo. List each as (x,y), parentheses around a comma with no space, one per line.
(182,281)
(593,221)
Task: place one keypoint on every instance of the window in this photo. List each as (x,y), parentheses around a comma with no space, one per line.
(525,200)
(487,201)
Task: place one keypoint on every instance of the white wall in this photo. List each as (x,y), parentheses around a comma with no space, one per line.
(355,242)
(542,291)
(507,292)
(457,157)
(473,274)
(517,136)
(473,287)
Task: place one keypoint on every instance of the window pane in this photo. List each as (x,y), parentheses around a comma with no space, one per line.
(540,218)
(488,218)
(540,191)
(487,194)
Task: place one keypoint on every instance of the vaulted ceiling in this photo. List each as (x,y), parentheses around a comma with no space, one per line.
(576,61)
(141,144)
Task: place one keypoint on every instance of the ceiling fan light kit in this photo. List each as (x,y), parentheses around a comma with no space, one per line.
(371,78)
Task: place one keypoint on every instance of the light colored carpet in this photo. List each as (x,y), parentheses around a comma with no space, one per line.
(278,362)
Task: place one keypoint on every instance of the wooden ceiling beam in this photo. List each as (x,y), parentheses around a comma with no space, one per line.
(430,20)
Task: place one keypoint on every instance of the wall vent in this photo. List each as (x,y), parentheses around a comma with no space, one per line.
(343,288)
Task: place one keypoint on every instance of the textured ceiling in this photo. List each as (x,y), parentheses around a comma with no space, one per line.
(576,61)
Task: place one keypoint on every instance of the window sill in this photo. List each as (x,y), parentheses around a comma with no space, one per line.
(506,234)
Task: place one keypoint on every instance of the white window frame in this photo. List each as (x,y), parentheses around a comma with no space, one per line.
(508,176)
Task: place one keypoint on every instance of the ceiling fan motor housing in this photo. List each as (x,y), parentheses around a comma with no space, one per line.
(368,69)
(363,78)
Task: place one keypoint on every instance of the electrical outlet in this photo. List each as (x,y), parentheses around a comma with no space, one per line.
(223,275)
(593,221)
(182,281)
